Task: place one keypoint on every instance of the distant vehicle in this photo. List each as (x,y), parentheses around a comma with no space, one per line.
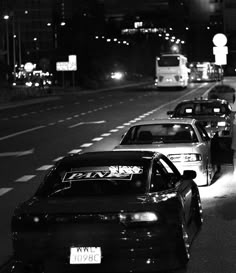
(171,71)
(205,72)
(213,114)
(184,141)
(108,212)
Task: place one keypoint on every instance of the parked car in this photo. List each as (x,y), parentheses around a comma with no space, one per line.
(184,141)
(121,211)
(213,114)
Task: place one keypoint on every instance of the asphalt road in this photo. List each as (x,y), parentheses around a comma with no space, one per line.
(33,137)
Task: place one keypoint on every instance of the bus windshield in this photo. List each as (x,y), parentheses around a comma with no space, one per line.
(168,61)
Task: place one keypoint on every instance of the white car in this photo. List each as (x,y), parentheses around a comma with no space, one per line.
(184,141)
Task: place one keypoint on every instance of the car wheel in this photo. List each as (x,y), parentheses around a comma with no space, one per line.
(183,247)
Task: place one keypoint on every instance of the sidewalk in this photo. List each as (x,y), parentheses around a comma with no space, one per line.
(58,92)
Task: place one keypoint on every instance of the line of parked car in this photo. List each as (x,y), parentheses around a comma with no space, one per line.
(134,209)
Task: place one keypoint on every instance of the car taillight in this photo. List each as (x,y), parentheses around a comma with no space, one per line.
(185,157)
(138,217)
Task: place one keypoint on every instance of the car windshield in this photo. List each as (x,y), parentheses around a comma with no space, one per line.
(160,133)
(209,109)
(96,181)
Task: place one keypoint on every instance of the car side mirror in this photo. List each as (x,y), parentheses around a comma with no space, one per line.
(189,174)
(170,113)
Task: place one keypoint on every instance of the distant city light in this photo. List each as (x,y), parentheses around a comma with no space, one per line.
(49,24)
(108,40)
(96,37)
(170,28)
(182,42)
(187,28)
(63,23)
(26,11)
(115,39)
(35,39)
(6,17)
(138,24)
(14,36)
(208,27)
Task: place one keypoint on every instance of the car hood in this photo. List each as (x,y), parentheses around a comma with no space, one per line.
(165,148)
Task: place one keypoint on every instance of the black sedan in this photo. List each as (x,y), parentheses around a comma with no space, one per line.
(115,211)
(214,114)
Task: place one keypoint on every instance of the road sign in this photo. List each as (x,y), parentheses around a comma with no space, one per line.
(220,50)
(71,65)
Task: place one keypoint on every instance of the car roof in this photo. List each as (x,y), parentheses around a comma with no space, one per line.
(107,157)
(204,101)
(190,121)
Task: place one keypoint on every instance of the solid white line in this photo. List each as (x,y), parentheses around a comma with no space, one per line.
(44,167)
(25,178)
(4,190)
(22,132)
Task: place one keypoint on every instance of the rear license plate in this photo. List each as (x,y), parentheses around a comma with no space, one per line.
(85,255)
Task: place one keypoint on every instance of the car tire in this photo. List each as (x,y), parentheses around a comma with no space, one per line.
(183,246)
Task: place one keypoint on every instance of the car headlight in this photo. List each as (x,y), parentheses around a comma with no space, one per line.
(221,123)
(138,217)
(185,157)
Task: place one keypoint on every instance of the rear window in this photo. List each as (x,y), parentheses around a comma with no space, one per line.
(96,181)
(168,61)
(200,109)
(160,133)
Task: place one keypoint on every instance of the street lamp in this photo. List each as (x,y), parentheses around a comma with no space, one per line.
(6,17)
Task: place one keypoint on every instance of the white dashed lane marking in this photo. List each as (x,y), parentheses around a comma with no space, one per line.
(106,134)
(97,138)
(44,168)
(85,145)
(22,132)
(4,190)
(25,178)
(75,151)
(58,158)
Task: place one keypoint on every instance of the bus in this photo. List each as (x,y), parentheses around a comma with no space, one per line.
(171,71)
(205,72)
